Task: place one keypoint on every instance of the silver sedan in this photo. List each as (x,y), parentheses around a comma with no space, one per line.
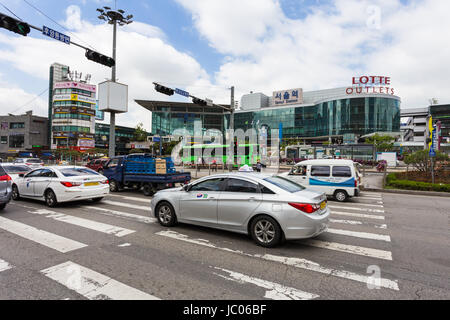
(269,208)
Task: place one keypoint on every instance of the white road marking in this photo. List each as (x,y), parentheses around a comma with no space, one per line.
(274,291)
(361,204)
(357,215)
(355,208)
(120,214)
(362,251)
(85,223)
(355,222)
(363,235)
(42,237)
(131,198)
(124,245)
(93,285)
(295,262)
(127,205)
(4,265)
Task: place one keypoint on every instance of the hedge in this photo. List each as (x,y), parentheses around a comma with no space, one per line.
(391,181)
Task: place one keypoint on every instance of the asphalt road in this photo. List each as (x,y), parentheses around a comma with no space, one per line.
(379,246)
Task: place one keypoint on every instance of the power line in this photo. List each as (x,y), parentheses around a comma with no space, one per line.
(43,13)
(40,94)
(10,11)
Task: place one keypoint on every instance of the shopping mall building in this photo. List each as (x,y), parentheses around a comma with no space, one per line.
(341,115)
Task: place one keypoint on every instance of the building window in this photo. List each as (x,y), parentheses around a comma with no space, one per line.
(17,125)
(4,140)
(17,141)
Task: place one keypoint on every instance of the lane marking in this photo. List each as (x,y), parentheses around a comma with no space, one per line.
(363,235)
(42,237)
(85,223)
(124,245)
(355,222)
(4,265)
(131,198)
(355,208)
(294,262)
(126,205)
(274,291)
(120,214)
(362,251)
(358,215)
(362,204)
(93,285)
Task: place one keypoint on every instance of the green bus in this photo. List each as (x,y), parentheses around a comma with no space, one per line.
(251,154)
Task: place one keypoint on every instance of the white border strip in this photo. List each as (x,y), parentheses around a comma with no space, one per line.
(4,265)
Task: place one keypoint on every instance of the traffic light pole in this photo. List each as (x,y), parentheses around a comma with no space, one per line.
(112,122)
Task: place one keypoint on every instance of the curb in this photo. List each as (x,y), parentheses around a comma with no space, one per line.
(410,192)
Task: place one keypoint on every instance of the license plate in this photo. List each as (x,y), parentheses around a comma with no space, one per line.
(323,205)
(88,184)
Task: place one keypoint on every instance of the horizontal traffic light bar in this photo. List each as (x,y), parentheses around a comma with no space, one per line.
(100,58)
(14,25)
(163,89)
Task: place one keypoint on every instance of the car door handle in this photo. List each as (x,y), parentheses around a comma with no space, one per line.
(251,198)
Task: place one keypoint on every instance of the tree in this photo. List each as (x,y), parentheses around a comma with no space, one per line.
(422,161)
(140,134)
(136,151)
(382,143)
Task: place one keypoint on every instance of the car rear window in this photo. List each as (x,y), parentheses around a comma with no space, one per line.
(16,169)
(320,171)
(285,184)
(342,171)
(34,160)
(75,172)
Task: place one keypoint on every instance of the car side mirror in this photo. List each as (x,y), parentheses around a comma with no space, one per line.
(21,175)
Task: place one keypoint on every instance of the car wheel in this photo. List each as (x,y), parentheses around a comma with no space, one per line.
(340,195)
(50,199)
(148,190)
(15,193)
(166,214)
(2,206)
(265,231)
(97,199)
(113,186)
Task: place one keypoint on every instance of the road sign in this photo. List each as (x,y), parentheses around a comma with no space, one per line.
(55,35)
(182,92)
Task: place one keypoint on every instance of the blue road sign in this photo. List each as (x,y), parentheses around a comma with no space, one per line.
(432,153)
(55,35)
(182,92)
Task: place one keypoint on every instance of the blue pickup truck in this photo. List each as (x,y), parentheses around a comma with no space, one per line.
(141,171)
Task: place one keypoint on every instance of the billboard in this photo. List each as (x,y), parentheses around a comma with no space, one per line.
(99,115)
(112,96)
(71,84)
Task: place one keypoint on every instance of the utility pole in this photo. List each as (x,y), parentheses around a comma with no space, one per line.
(231,129)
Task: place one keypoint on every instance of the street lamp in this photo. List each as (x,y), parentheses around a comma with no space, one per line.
(113,17)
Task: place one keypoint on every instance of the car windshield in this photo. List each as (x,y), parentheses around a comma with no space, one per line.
(16,169)
(75,172)
(34,160)
(285,184)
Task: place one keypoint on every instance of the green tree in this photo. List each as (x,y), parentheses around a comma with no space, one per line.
(136,151)
(140,134)
(422,161)
(382,143)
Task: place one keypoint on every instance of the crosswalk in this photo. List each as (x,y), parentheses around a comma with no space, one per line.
(357,229)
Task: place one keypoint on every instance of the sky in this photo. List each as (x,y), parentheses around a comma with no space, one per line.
(207,46)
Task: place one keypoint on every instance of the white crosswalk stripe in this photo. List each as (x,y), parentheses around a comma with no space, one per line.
(359,223)
(85,223)
(42,237)
(333,206)
(357,215)
(131,198)
(363,235)
(121,214)
(274,291)
(290,261)
(4,265)
(93,285)
(127,205)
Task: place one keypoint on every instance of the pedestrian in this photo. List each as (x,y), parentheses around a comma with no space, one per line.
(199,163)
(214,165)
(258,166)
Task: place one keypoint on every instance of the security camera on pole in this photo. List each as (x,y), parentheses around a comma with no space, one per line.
(111,94)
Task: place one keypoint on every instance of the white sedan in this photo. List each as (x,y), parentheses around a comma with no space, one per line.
(60,184)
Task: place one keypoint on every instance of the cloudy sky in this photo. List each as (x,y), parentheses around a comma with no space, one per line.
(205,46)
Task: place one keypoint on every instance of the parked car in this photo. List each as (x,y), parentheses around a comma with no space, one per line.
(31,162)
(15,169)
(269,208)
(97,164)
(56,184)
(334,177)
(5,188)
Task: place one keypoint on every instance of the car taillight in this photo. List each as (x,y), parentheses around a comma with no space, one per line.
(356,182)
(105,182)
(5,178)
(28,164)
(305,207)
(70,184)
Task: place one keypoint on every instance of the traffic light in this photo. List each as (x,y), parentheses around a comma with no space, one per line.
(163,89)
(14,25)
(100,58)
(199,102)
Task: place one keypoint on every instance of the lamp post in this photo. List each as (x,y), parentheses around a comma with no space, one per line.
(113,17)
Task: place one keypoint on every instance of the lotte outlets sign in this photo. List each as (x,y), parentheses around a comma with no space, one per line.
(371,85)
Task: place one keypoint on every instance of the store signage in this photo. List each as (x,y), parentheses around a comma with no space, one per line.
(73,97)
(87,111)
(286,97)
(71,84)
(371,85)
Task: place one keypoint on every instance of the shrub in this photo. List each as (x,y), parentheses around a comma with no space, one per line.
(391,180)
